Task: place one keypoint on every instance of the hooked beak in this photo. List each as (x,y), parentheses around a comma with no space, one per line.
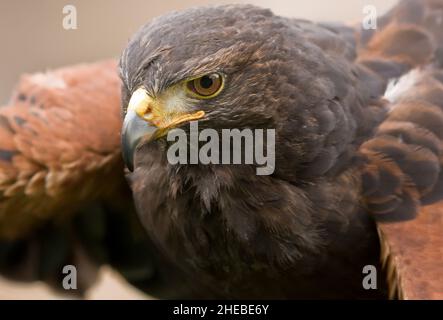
(147,120)
(134,129)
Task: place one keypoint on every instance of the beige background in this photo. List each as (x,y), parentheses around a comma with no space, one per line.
(32,39)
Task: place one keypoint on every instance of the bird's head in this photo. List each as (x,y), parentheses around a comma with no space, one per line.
(227,67)
(204,64)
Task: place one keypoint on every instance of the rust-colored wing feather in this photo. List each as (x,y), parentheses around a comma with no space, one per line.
(59,153)
(412,252)
(403,161)
(59,139)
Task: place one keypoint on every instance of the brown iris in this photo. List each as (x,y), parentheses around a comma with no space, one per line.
(206,86)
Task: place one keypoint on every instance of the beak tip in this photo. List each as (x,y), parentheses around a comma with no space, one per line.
(133,131)
(128,160)
(127,150)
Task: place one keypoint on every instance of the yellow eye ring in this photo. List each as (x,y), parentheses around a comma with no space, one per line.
(205,87)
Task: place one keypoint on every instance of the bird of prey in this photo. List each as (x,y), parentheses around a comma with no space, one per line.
(358,117)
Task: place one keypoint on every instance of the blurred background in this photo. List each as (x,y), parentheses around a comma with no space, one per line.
(32,38)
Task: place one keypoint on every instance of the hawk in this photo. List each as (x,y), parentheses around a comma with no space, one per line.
(358,153)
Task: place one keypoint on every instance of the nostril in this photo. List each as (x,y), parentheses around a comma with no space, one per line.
(148,116)
(143,110)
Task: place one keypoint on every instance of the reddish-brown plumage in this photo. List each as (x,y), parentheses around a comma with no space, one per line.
(59,137)
(411,36)
(412,253)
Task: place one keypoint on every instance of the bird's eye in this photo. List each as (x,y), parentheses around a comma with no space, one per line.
(207,86)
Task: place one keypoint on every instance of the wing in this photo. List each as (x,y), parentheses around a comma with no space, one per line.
(402,162)
(412,254)
(58,138)
(402,169)
(63,196)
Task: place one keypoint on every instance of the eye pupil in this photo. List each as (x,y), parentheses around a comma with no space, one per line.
(206,82)
(206,86)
